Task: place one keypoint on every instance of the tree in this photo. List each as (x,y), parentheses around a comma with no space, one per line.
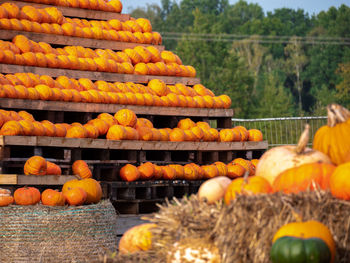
(343,88)
(233,78)
(294,64)
(253,53)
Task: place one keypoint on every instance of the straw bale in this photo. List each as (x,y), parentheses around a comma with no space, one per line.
(243,231)
(57,234)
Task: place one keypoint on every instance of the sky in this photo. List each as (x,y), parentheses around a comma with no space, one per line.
(310,6)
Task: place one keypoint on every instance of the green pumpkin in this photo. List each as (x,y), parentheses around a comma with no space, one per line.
(298,250)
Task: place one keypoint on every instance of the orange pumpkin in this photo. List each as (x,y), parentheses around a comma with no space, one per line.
(5,197)
(126,117)
(27,196)
(116,132)
(169,173)
(90,186)
(81,168)
(11,128)
(146,171)
(53,169)
(52,198)
(210,171)
(249,186)
(177,135)
(339,182)
(235,170)
(158,87)
(129,173)
(35,165)
(255,135)
(75,196)
(305,177)
(186,124)
(190,172)
(77,132)
(222,168)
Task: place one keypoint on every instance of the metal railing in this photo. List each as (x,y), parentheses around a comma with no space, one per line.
(282,131)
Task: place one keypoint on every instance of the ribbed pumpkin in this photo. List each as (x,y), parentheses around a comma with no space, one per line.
(116,132)
(235,170)
(177,135)
(11,128)
(27,196)
(305,177)
(222,168)
(81,168)
(35,165)
(53,169)
(53,198)
(126,117)
(75,196)
(146,171)
(278,159)
(339,182)
(247,186)
(137,238)
(158,87)
(210,171)
(5,197)
(332,139)
(169,173)
(129,173)
(308,229)
(255,135)
(91,186)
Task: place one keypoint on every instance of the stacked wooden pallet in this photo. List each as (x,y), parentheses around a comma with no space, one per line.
(106,156)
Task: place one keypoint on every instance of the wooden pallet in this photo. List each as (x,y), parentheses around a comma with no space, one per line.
(61,106)
(94,75)
(87,143)
(72,41)
(75,12)
(19,179)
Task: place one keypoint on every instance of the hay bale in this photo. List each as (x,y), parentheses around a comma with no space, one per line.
(57,234)
(243,231)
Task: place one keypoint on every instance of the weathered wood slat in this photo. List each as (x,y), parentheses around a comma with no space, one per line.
(111,108)
(72,41)
(130,145)
(93,75)
(76,12)
(18,179)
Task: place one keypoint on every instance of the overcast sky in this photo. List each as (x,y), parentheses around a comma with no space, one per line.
(310,6)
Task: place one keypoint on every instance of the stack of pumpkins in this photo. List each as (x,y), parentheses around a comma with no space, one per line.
(84,190)
(150,171)
(50,20)
(156,93)
(124,125)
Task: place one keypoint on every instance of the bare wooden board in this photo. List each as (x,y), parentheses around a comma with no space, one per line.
(72,41)
(93,75)
(111,108)
(130,145)
(76,12)
(18,179)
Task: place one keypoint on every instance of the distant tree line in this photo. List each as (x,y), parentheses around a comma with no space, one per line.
(282,63)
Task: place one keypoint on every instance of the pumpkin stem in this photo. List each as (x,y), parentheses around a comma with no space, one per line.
(303,140)
(337,114)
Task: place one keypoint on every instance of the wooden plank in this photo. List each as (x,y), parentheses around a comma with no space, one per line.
(111,108)
(76,12)
(94,75)
(130,145)
(72,41)
(44,180)
(8,179)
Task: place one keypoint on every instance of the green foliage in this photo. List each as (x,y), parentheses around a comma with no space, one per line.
(278,64)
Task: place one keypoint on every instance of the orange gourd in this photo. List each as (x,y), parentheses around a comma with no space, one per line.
(126,117)
(52,198)
(5,197)
(35,165)
(129,173)
(27,196)
(53,169)
(75,196)
(146,171)
(81,169)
